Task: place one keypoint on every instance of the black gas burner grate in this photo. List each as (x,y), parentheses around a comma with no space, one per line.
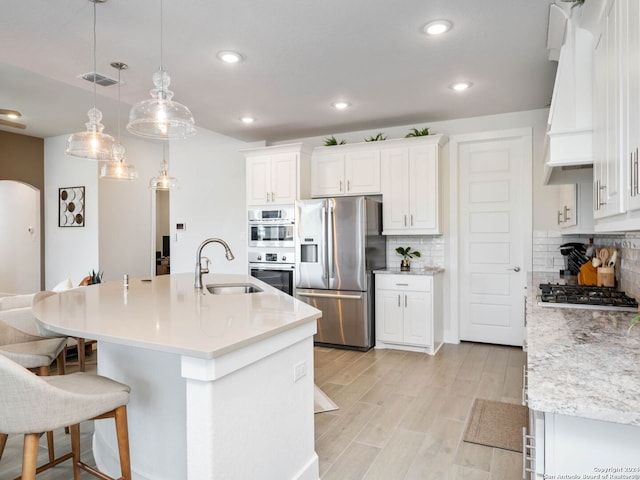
(585,295)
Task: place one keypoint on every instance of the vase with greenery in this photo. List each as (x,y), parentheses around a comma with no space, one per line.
(333,141)
(378,138)
(417,133)
(407,254)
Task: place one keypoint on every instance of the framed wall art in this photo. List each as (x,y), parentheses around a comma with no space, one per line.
(71,210)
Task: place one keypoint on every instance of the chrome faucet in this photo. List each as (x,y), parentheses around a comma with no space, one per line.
(199,269)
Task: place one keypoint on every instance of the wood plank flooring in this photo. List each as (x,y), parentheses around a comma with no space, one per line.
(401,415)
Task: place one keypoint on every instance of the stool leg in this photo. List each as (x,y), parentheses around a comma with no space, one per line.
(81,357)
(50,446)
(122,432)
(30,456)
(61,362)
(75,448)
(3,442)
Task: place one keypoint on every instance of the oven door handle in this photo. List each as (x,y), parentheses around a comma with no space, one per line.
(329,295)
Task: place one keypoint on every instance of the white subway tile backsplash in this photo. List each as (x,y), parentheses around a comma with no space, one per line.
(432,250)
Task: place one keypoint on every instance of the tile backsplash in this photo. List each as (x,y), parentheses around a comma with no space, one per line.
(431,250)
(547,258)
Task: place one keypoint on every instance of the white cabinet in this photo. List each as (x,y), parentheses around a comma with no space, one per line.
(345,170)
(277,175)
(410,187)
(409,312)
(575,208)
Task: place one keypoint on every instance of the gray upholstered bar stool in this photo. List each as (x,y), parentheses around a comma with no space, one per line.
(32,405)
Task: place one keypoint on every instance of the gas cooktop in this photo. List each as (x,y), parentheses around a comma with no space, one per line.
(586,296)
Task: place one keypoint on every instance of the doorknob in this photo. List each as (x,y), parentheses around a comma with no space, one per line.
(515,269)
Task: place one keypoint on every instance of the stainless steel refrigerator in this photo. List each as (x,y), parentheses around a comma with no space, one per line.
(339,243)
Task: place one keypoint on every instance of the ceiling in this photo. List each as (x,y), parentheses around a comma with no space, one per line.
(299,57)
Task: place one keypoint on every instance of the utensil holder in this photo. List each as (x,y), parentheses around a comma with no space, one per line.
(606,277)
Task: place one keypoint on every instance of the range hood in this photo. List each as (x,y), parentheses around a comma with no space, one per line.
(568,144)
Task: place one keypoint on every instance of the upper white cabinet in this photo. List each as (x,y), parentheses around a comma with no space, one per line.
(277,175)
(345,170)
(410,186)
(575,208)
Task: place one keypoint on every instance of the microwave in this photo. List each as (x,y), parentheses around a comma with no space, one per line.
(271,228)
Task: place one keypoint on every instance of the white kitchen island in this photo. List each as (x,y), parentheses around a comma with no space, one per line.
(221,385)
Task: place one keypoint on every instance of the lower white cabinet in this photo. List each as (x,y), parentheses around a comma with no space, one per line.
(565,446)
(409,312)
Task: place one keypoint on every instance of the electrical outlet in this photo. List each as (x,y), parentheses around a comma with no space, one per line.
(299,371)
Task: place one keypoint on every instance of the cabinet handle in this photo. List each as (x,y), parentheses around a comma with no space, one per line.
(405,219)
(402,284)
(559,217)
(348,185)
(340,185)
(405,301)
(398,300)
(268,197)
(528,453)
(411,217)
(631,175)
(635,173)
(566,213)
(600,188)
(595,196)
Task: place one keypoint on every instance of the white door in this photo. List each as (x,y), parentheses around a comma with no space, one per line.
(494,227)
(20,246)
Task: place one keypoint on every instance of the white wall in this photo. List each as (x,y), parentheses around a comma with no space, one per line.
(70,252)
(210,201)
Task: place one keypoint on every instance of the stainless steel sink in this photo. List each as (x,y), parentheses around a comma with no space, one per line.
(232,288)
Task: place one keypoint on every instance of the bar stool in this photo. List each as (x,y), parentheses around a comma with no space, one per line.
(32,405)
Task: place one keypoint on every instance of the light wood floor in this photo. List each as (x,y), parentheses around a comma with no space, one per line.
(401,415)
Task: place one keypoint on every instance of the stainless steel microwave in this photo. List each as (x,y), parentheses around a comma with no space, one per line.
(271,227)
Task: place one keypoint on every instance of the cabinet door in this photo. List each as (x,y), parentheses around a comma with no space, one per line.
(423,189)
(395,190)
(327,174)
(389,315)
(259,180)
(632,78)
(283,178)
(417,318)
(567,206)
(362,172)
(599,123)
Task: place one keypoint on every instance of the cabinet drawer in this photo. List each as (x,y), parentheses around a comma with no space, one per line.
(422,283)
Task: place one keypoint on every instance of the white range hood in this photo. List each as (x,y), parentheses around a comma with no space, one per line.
(569,130)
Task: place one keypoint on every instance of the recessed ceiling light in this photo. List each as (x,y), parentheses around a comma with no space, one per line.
(229,57)
(341,105)
(460,86)
(247,119)
(437,27)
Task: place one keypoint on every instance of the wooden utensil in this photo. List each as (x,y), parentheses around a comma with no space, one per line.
(603,255)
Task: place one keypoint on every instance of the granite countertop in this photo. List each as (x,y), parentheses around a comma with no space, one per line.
(582,362)
(167,314)
(414,271)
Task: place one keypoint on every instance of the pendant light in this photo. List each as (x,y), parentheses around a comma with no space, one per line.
(93,143)
(117,168)
(164,181)
(160,117)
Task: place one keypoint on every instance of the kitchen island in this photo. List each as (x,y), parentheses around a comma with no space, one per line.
(583,391)
(221,384)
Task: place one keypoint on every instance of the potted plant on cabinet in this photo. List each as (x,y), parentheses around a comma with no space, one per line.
(407,255)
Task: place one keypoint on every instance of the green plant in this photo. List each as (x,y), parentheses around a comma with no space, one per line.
(417,133)
(407,253)
(378,138)
(332,141)
(95,277)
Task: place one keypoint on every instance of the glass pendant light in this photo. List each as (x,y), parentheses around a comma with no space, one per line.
(160,117)
(117,167)
(164,181)
(92,143)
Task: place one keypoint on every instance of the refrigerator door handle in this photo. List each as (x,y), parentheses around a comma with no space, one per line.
(330,295)
(330,245)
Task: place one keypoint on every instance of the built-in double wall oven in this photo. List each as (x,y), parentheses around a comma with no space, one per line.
(271,251)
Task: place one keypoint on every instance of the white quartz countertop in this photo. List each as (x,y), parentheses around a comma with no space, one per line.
(168,315)
(414,271)
(582,362)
